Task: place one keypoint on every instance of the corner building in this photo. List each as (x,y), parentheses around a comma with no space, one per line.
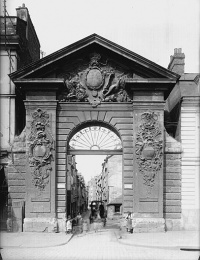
(95,83)
(19,46)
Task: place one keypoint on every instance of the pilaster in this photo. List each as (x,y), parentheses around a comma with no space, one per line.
(40,208)
(148,143)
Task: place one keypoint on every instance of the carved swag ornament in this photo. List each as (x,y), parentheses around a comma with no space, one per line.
(96,85)
(40,146)
(148,146)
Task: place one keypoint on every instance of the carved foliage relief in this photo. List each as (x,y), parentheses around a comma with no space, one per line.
(149,146)
(95,83)
(41,144)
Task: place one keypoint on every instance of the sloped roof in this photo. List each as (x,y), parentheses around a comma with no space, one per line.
(87,42)
(115,201)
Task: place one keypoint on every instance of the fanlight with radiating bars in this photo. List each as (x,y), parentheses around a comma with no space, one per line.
(95,138)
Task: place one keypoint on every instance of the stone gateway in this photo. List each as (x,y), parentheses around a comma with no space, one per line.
(95,82)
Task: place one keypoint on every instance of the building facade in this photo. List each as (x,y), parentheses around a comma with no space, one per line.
(93,190)
(115,89)
(19,47)
(77,195)
(182,122)
(107,186)
(112,186)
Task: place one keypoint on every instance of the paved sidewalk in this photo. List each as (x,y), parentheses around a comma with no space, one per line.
(33,239)
(170,239)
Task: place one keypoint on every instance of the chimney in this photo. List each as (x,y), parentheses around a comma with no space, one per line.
(177,61)
(22,12)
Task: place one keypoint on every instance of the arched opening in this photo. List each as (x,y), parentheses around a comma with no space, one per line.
(95,138)
(94,171)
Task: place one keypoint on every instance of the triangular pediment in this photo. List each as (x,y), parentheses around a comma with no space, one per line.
(56,64)
(95,69)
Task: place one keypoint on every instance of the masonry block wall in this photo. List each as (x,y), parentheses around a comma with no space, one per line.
(70,116)
(172,183)
(16,172)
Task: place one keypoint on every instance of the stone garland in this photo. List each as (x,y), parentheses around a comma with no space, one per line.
(40,149)
(148,148)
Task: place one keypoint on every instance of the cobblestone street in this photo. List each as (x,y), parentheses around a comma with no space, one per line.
(104,244)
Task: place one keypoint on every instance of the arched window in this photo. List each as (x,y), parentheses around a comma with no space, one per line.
(95,138)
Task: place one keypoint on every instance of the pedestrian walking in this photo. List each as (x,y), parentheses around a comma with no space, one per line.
(9,224)
(129,227)
(91,218)
(74,225)
(79,222)
(85,226)
(101,210)
(95,225)
(97,222)
(69,225)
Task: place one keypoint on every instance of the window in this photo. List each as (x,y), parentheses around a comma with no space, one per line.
(117,208)
(95,138)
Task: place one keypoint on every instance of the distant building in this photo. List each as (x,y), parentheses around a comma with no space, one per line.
(107,186)
(112,184)
(92,190)
(82,193)
(77,195)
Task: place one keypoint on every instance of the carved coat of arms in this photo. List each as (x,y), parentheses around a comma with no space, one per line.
(96,85)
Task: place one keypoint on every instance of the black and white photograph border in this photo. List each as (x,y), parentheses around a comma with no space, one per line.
(99,129)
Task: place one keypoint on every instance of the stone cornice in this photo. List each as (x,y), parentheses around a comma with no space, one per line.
(151,84)
(47,104)
(39,84)
(39,80)
(84,106)
(191,98)
(191,101)
(150,81)
(156,105)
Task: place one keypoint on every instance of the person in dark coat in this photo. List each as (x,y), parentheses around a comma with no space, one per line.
(101,210)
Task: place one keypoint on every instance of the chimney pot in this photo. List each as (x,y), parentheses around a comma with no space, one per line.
(23,5)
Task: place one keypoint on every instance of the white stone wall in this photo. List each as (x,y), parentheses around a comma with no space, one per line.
(114,176)
(190,193)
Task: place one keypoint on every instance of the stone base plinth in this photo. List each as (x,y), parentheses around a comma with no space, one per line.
(62,224)
(40,225)
(148,225)
(174,225)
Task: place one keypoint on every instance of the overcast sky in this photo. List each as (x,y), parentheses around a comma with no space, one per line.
(90,165)
(150,28)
